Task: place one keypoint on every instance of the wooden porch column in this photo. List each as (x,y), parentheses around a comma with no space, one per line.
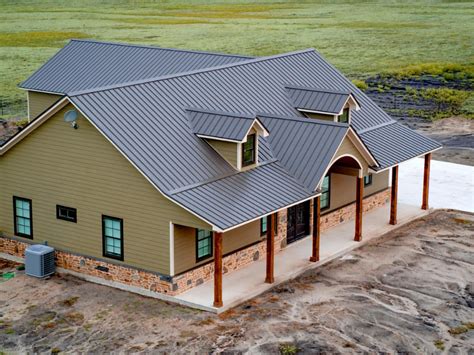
(217,269)
(316,229)
(426,182)
(358,216)
(394,196)
(270,249)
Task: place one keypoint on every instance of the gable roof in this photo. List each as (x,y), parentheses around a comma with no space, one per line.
(87,64)
(304,146)
(222,125)
(161,143)
(318,100)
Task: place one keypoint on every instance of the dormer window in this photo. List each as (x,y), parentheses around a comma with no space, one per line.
(234,136)
(249,151)
(323,104)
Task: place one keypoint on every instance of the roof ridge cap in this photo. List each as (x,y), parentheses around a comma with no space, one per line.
(192,72)
(149,46)
(223,113)
(330,91)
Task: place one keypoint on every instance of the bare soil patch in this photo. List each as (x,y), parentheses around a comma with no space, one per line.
(411,291)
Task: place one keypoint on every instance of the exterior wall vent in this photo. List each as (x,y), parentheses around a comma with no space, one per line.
(39,260)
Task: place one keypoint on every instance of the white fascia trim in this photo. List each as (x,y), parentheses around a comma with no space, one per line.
(263,130)
(354,138)
(354,103)
(139,170)
(171,249)
(218,138)
(43,92)
(33,125)
(239,156)
(391,166)
(265,215)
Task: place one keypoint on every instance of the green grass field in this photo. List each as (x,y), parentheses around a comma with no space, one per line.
(360,38)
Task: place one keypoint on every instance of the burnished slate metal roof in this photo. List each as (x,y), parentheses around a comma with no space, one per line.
(163,145)
(394,143)
(244,196)
(304,146)
(320,100)
(220,125)
(86,64)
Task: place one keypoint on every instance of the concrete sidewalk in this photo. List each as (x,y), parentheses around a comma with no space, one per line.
(451,185)
(248,282)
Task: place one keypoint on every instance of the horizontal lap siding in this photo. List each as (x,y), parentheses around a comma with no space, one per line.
(185,243)
(57,164)
(39,102)
(227,150)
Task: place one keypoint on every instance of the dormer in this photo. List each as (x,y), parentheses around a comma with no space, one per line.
(324,104)
(233,136)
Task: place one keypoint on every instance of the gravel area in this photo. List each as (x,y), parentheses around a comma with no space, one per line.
(412,291)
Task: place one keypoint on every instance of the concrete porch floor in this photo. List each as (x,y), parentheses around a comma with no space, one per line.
(248,282)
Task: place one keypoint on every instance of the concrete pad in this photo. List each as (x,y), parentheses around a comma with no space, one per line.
(248,282)
(451,185)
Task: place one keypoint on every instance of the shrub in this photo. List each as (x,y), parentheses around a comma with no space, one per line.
(361,84)
(449,101)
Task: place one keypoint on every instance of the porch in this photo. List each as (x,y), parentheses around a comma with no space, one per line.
(291,261)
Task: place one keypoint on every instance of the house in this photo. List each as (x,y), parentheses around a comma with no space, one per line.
(163,169)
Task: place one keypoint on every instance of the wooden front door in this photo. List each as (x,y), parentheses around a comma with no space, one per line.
(298,222)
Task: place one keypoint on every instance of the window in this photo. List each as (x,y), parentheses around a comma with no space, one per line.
(368,180)
(203,244)
(264,225)
(344,117)
(325,192)
(248,151)
(23,217)
(112,237)
(66,213)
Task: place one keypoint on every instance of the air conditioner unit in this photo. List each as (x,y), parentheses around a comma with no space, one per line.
(39,260)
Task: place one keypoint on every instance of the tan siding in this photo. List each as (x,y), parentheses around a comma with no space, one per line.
(343,189)
(228,150)
(57,164)
(347,148)
(185,243)
(38,102)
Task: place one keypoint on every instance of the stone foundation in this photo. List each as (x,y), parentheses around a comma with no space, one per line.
(180,283)
(347,213)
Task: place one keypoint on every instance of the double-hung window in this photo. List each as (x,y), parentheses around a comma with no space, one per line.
(112,237)
(203,244)
(248,150)
(23,217)
(325,192)
(368,180)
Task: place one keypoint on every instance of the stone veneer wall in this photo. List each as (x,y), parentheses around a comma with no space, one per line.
(180,283)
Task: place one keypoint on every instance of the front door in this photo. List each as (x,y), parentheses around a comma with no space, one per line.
(298,222)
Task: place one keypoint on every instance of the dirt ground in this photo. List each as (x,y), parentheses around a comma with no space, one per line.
(411,291)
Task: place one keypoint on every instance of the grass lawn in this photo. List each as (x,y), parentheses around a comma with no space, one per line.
(360,38)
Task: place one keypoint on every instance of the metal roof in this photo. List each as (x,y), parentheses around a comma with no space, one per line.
(241,197)
(320,100)
(395,143)
(220,125)
(86,64)
(162,144)
(304,146)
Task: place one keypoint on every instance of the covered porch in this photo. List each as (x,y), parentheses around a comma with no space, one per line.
(291,261)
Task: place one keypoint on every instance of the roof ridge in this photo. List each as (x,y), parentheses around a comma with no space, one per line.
(307,88)
(304,120)
(223,113)
(149,46)
(192,72)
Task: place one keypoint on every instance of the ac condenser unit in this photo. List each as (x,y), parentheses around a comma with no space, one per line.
(39,260)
